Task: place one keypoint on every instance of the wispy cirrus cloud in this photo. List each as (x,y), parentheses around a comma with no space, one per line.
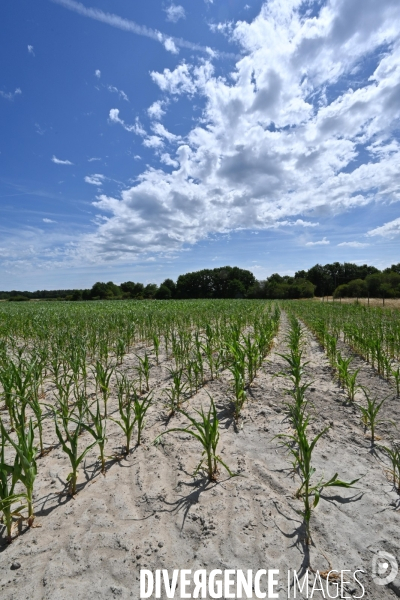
(353,244)
(170,43)
(136,128)
(11,95)
(58,161)
(31,50)
(323,242)
(121,93)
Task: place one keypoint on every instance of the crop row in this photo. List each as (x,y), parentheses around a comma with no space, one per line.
(60,365)
(375,335)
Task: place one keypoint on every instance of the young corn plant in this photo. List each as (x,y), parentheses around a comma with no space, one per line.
(25,460)
(209,354)
(237,370)
(156,344)
(252,357)
(342,366)
(103,376)
(302,449)
(295,368)
(97,430)
(120,350)
(396,375)
(143,370)
(175,394)
(205,430)
(141,406)
(9,475)
(35,405)
(69,441)
(394,456)
(369,414)
(351,385)
(7,382)
(127,414)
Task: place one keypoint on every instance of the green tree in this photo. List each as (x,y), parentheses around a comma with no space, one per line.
(163,293)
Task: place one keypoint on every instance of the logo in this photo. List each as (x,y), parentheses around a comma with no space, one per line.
(384,568)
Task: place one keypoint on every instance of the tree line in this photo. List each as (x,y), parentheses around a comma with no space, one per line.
(338,279)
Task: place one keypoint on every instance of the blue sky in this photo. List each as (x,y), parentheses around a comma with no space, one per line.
(142,140)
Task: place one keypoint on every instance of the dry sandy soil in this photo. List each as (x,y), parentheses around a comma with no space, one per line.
(149,512)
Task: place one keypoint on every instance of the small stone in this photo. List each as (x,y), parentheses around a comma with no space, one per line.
(15,565)
(160,544)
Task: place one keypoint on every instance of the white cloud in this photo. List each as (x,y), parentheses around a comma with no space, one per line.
(167,160)
(323,242)
(136,128)
(170,45)
(353,244)
(10,95)
(121,93)
(97,73)
(175,12)
(388,230)
(127,25)
(179,81)
(304,126)
(58,161)
(156,110)
(31,50)
(45,220)
(39,129)
(160,130)
(297,223)
(93,159)
(96,179)
(153,141)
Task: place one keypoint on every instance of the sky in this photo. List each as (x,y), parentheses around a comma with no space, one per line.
(143,140)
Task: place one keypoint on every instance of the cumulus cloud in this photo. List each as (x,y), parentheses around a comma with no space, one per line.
(175,12)
(178,81)
(388,230)
(10,95)
(45,220)
(97,73)
(304,126)
(156,110)
(58,161)
(323,242)
(160,130)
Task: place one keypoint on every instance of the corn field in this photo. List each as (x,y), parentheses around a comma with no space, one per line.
(78,354)
(242,398)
